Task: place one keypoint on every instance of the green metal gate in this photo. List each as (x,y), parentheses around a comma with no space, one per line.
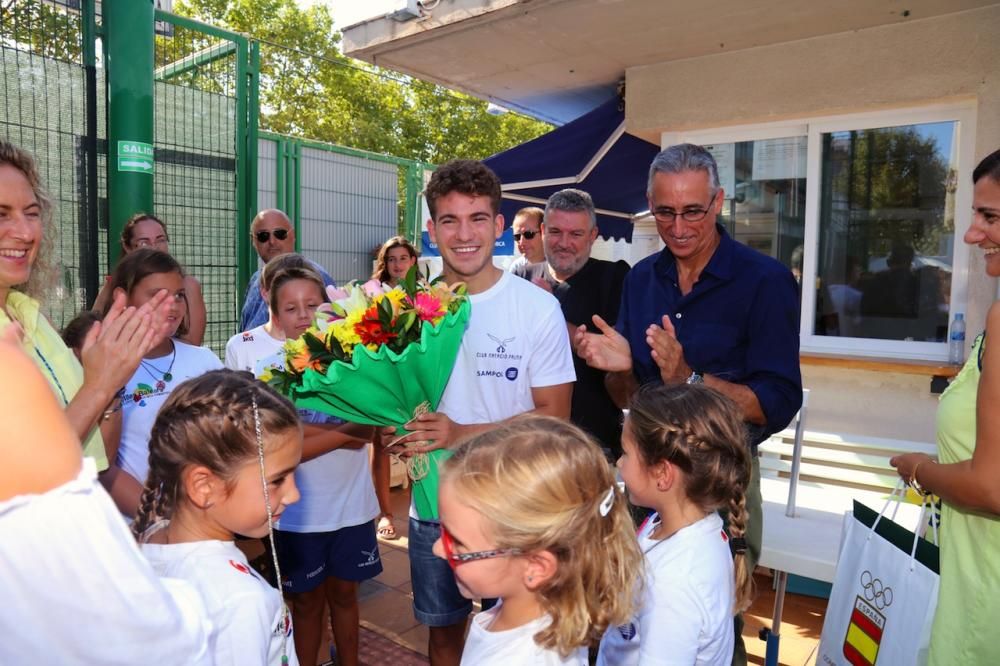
(205,110)
(53,87)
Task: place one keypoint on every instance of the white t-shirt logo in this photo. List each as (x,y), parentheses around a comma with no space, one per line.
(628,631)
(501,343)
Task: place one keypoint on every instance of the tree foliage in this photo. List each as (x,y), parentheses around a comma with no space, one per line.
(309,89)
(896,182)
(42,29)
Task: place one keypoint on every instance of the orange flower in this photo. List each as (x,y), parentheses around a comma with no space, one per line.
(304,361)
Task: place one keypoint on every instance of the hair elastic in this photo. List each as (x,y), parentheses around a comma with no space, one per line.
(270,528)
(738,545)
(608,502)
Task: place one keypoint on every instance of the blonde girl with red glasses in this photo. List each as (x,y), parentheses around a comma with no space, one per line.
(531,515)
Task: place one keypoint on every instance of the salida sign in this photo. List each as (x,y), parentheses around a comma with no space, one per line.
(135,156)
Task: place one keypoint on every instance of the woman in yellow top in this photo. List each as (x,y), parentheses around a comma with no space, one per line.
(967,476)
(112,349)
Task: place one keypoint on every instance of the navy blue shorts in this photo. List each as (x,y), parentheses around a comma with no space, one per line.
(436,599)
(309,558)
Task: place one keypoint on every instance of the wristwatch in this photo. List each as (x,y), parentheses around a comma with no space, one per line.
(695,378)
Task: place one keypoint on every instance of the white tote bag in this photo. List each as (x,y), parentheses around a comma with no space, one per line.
(884,593)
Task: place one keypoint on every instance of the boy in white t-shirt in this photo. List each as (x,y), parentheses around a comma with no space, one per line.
(245,350)
(515,358)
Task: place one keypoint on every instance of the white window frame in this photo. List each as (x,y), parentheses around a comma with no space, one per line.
(813,128)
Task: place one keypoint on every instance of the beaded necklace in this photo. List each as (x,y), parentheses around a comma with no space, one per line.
(270,529)
(165,377)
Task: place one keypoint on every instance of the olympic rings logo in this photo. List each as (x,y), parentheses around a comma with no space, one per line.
(875,591)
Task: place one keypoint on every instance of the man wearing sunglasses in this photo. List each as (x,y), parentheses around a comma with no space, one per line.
(527,228)
(706,309)
(272,235)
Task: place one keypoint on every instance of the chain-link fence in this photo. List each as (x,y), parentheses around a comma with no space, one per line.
(48,106)
(197,181)
(344,202)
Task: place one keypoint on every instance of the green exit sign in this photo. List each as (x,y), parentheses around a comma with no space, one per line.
(135,156)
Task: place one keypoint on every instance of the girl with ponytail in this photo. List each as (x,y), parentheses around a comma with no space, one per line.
(531,515)
(686,456)
(222,455)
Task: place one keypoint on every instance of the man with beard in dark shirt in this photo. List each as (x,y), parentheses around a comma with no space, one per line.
(584,286)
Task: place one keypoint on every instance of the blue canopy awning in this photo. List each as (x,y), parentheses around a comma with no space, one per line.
(592,153)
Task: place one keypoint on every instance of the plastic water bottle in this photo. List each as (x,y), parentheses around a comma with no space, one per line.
(956,343)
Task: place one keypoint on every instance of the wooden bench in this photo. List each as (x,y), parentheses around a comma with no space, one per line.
(803,536)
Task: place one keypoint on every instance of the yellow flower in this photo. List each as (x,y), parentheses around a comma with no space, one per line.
(343,331)
(396,297)
(293,349)
(267,375)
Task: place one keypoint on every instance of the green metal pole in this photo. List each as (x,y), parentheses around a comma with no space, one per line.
(297,194)
(128,38)
(244,215)
(253,120)
(281,187)
(414,184)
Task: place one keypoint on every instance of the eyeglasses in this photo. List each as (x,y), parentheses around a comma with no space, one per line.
(668,215)
(264,236)
(527,234)
(455,559)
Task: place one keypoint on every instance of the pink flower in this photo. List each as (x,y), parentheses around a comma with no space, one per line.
(335,294)
(428,307)
(372,288)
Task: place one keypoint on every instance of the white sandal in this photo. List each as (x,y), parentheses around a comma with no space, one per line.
(386,529)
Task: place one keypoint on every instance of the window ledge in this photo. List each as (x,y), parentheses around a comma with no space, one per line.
(906,367)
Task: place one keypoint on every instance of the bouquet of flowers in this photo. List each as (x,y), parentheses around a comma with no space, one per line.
(379,355)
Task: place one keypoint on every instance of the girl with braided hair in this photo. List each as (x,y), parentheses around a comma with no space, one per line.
(221,460)
(685,456)
(531,514)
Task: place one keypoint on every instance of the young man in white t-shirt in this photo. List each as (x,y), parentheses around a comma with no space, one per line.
(515,358)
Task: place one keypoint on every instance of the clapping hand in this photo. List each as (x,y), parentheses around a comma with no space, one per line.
(607,350)
(667,352)
(114,346)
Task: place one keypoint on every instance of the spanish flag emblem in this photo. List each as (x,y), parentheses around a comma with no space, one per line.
(864,632)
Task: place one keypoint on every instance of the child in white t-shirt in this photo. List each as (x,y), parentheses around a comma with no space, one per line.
(531,515)
(140,275)
(326,542)
(76,590)
(221,461)
(245,350)
(685,455)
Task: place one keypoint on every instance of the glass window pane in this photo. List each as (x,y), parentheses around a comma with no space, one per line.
(765,186)
(887,232)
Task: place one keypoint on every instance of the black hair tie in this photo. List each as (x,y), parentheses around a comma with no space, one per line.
(738,545)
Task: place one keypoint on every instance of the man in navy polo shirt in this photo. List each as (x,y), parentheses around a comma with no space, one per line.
(706,309)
